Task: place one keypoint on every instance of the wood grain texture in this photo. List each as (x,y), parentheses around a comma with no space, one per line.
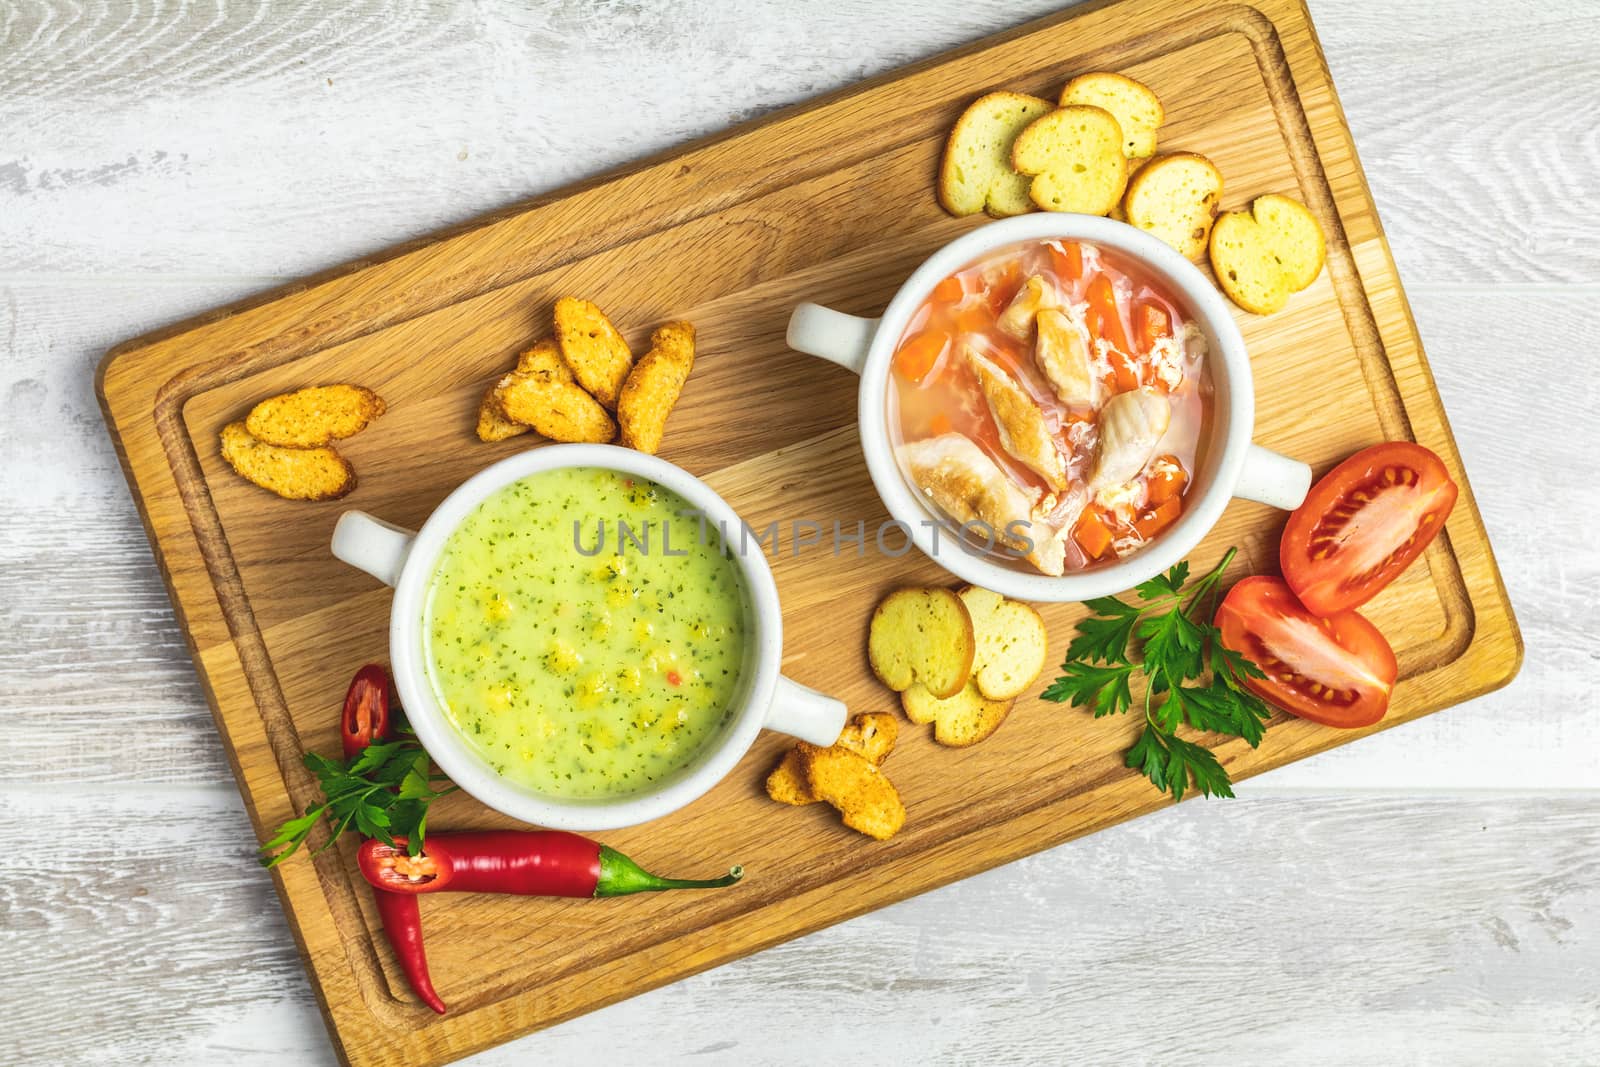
(1072,956)
(729,234)
(90,260)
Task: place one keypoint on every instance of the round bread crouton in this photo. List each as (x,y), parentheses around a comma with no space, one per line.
(960,720)
(1262,256)
(1175,198)
(976,173)
(1135,106)
(922,635)
(1074,155)
(1011,643)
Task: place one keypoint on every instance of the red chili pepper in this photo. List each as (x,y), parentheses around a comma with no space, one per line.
(541,863)
(402,922)
(365,720)
(366,710)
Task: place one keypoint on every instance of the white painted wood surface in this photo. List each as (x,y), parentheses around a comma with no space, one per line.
(1430,895)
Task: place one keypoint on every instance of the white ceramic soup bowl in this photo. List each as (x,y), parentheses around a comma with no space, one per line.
(406,561)
(1230,464)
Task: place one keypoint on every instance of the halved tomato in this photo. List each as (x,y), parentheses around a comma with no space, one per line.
(1363,524)
(1337,670)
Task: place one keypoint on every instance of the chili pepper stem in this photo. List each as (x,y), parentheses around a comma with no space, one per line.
(620,876)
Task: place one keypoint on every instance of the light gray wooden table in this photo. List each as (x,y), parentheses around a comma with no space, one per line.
(1429,895)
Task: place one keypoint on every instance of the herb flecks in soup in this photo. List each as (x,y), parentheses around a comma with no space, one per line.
(1051,397)
(575,666)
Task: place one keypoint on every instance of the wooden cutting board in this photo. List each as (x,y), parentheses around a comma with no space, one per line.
(831,202)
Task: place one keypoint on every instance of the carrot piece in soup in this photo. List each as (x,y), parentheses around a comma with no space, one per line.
(1167,479)
(948,291)
(918,355)
(1068,261)
(1105,318)
(1159,518)
(940,425)
(1092,534)
(1151,324)
(975,319)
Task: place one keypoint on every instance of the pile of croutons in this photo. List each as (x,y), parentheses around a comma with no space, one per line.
(1010,153)
(566,389)
(285,444)
(958,660)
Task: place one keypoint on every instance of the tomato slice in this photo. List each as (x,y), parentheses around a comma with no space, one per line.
(1363,524)
(1337,670)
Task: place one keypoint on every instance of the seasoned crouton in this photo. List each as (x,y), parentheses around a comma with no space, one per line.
(1136,108)
(1074,155)
(1263,255)
(977,174)
(592,349)
(541,393)
(866,799)
(1011,643)
(493,424)
(921,635)
(1175,198)
(292,473)
(870,735)
(314,416)
(958,721)
(653,386)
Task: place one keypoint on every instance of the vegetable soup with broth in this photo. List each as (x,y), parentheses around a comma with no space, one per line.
(1050,397)
(585,660)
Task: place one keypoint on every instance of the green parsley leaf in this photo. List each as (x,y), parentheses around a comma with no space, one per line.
(1169,642)
(384,792)
(1103,689)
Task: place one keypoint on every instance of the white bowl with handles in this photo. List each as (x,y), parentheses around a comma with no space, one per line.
(406,560)
(1232,466)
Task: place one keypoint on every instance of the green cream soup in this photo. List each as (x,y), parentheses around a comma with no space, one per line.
(578,674)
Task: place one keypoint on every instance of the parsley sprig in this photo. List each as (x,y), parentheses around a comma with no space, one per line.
(382,792)
(1190,677)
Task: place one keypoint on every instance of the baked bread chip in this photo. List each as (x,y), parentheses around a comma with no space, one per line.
(1175,198)
(313,417)
(1011,643)
(1262,256)
(555,409)
(976,174)
(1074,156)
(922,635)
(493,423)
(292,473)
(1135,106)
(959,721)
(592,349)
(870,735)
(653,386)
(865,798)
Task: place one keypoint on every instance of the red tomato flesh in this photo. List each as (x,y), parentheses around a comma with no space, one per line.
(1363,524)
(1337,670)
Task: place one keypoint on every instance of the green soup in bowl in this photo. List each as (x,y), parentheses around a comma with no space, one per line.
(583,636)
(584,631)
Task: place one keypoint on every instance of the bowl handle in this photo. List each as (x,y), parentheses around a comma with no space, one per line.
(802,712)
(370,544)
(833,335)
(1272,479)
